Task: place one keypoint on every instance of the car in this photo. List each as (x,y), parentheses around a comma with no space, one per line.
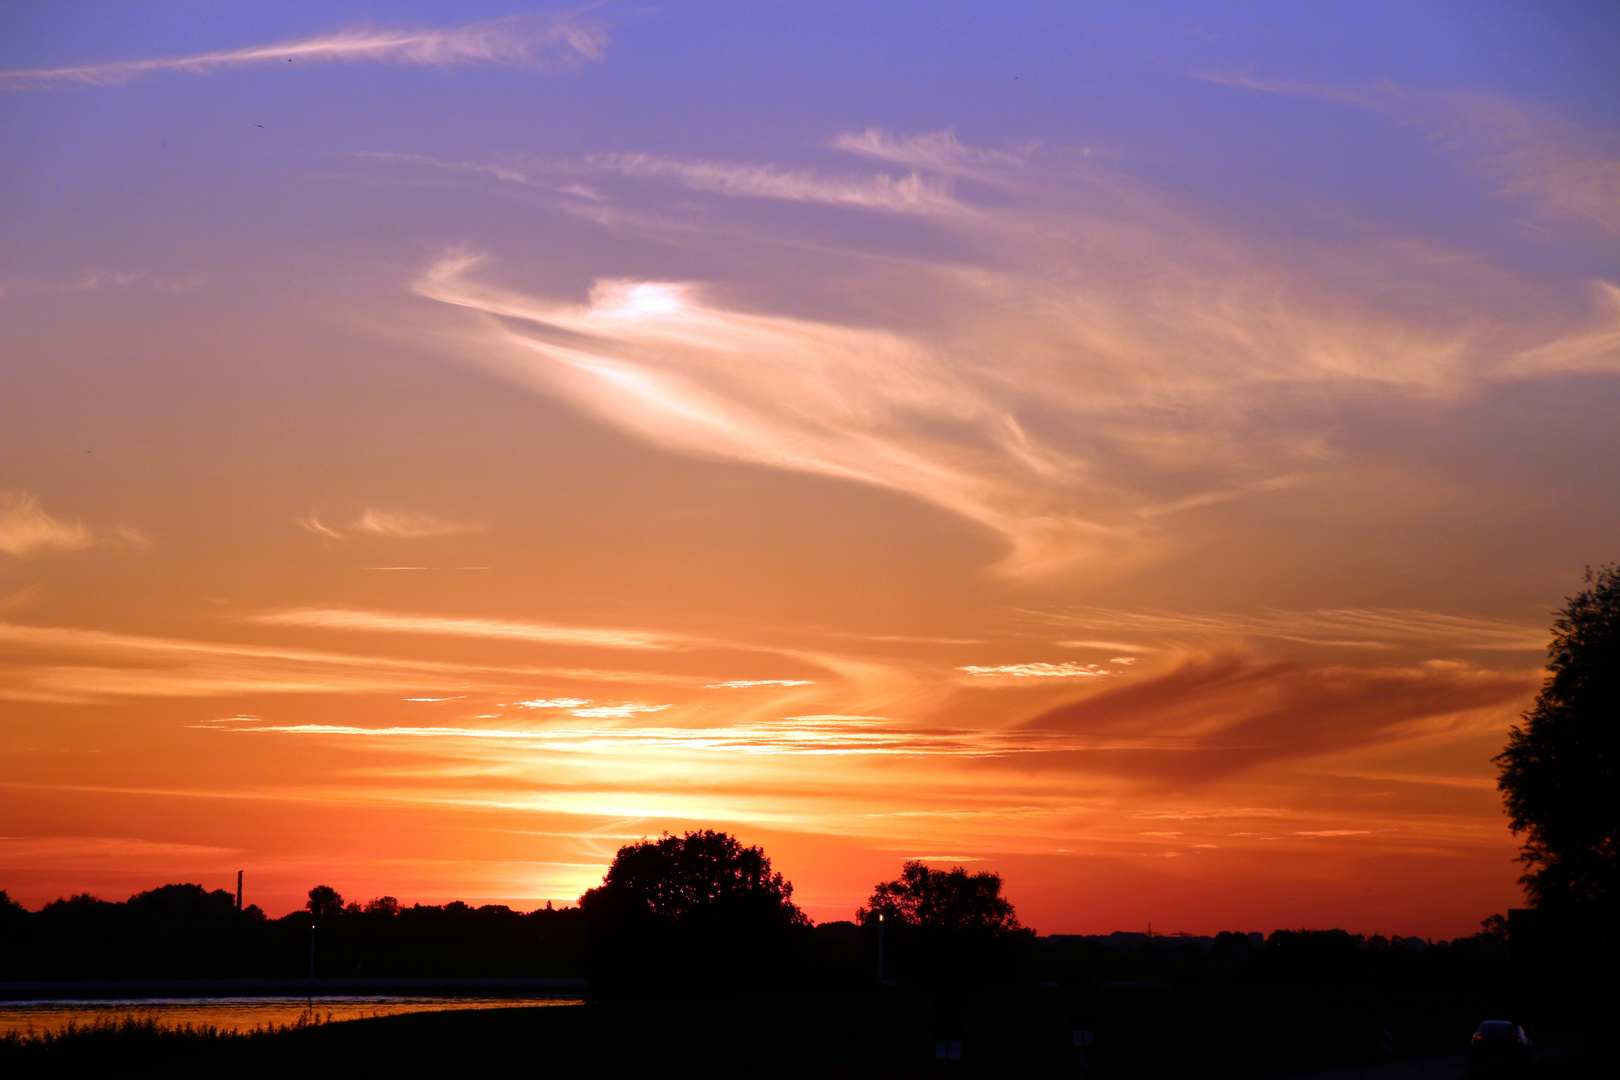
(1499,1040)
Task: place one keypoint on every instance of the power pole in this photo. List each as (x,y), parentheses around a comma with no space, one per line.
(239,890)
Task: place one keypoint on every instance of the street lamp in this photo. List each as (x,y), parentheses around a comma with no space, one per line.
(311,952)
(881,980)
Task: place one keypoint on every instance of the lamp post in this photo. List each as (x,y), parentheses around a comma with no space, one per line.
(311,952)
(881,980)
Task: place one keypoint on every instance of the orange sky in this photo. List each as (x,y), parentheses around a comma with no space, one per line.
(432,458)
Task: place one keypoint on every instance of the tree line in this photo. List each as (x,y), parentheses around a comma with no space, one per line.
(698,913)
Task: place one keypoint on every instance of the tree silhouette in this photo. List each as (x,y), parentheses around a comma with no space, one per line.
(692,912)
(696,875)
(947,926)
(942,899)
(383,905)
(324,902)
(1558,773)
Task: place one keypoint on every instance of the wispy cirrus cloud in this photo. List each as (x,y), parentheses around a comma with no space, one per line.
(1593,347)
(393,623)
(1563,168)
(739,684)
(124,280)
(27,529)
(76,666)
(810,736)
(32,851)
(661,361)
(408,525)
(394,524)
(1038,671)
(1242,712)
(1354,628)
(936,151)
(517,41)
(1094,361)
(911,193)
(510,173)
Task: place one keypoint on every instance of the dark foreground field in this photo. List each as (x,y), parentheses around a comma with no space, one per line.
(1139,1033)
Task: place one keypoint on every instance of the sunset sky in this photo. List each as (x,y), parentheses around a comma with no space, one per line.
(1133,448)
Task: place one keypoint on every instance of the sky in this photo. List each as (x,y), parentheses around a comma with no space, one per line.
(1133,449)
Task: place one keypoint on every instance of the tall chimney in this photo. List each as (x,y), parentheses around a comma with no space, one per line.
(239,890)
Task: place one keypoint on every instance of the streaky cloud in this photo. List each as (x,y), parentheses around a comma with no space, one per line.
(936,151)
(1038,671)
(1356,628)
(346,619)
(314,524)
(1591,348)
(124,280)
(28,530)
(1243,712)
(912,193)
(31,851)
(738,684)
(79,666)
(812,736)
(400,524)
(516,41)
(662,362)
(1567,169)
(1095,361)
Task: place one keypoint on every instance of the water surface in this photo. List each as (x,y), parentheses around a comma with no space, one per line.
(241,1013)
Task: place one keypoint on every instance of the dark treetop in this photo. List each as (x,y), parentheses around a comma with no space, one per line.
(1558,772)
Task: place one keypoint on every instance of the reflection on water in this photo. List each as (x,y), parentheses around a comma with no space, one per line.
(238,1013)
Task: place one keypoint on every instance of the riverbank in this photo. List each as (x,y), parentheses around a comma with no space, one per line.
(1148,1034)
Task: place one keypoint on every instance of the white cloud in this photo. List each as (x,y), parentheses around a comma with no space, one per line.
(319,528)
(344,619)
(519,41)
(70,665)
(409,525)
(912,193)
(616,712)
(737,684)
(1357,628)
(99,280)
(1039,671)
(26,529)
(1564,168)
(937,151)
(812,736)
(395,524)
(1092,362)
(662,362)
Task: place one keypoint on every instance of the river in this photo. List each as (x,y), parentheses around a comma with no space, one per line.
(240,1013)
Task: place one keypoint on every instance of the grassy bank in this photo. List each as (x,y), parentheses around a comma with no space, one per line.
(1241,1034)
